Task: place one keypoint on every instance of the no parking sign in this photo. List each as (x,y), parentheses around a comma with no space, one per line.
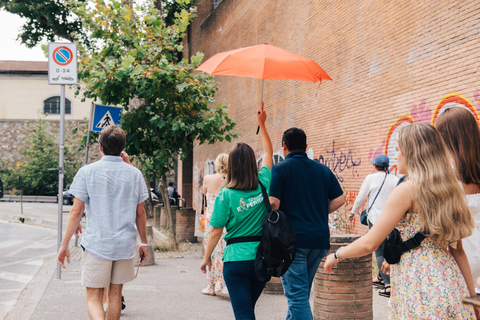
(62,63)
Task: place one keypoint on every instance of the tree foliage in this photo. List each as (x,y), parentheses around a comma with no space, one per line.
(133,62)
(46,19)
(40,169)
(133,56)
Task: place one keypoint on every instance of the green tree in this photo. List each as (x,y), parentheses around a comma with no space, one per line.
(40,169)
(133,58)
(50,19)
(46,20)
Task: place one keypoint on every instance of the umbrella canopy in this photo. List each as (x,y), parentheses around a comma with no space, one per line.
(264,61)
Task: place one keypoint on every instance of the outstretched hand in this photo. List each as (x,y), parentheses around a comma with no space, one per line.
(261,116)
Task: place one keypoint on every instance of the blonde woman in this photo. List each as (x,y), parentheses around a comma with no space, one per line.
(429,281)
(212,184)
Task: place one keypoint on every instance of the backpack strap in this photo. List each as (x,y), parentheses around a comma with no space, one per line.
(265,197)
(378,192)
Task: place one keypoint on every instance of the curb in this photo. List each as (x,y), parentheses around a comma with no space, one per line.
(30,221)
(30,297)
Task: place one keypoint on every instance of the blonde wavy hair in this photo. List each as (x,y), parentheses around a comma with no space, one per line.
(221,163)
(440,201)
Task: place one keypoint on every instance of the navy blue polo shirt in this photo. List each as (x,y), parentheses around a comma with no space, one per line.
(304,188)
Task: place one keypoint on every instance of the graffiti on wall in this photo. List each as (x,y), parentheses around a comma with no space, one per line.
(421,114)
(339,161)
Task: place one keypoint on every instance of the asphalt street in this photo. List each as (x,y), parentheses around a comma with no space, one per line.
(23,250)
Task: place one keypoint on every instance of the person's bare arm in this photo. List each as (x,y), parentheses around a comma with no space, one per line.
(336,203)
(215,235)
(274,202)
(141,222)
(206,181)
(73,221)
(266,142)
(461,258)
(397,204)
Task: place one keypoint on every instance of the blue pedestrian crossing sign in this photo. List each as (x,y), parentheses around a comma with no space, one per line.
(104,116)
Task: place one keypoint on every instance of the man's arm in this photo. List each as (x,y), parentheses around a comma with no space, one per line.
(141,222)
(73,222)
(336,203)
(274,202)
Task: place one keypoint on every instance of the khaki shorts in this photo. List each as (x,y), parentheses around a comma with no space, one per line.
(98,273)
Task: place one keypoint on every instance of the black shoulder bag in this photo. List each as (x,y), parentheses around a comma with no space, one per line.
(278,243)
(394,246)
(364,214)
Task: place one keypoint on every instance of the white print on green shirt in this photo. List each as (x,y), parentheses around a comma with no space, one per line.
(251,202)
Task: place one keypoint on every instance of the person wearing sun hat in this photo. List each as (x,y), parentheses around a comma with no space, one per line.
(381,183)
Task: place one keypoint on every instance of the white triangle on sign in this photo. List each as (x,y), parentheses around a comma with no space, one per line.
(105,121)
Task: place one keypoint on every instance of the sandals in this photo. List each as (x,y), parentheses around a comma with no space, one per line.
(378,282)
(384,292)
(209,291)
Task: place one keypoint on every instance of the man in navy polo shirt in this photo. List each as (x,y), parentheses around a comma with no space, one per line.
(307,191)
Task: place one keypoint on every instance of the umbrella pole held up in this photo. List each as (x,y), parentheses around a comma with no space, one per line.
(261,103)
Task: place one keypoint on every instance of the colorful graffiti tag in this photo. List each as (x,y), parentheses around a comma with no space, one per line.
(420,114)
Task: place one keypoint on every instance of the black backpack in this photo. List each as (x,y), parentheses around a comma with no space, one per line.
(278,243)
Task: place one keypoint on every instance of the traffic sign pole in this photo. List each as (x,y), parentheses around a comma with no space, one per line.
(60,173)
(62,70)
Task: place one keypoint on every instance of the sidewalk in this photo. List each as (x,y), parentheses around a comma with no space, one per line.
(170,289)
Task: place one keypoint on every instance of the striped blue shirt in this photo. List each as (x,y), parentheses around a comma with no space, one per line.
(111,190)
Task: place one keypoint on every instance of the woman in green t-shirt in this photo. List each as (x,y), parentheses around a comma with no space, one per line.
(239,207)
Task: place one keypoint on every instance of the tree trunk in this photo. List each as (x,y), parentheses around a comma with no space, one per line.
(148,205)
(168,209)
(158,5)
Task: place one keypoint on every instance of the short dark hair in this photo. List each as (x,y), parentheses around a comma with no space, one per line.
(295,139)
(170,184)
(112,139)
(242,168)
(380,168)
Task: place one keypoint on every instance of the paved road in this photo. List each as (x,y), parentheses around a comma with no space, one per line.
(23,250)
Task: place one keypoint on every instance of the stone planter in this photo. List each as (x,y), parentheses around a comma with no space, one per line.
(346,293)
(164,226)
(185,225)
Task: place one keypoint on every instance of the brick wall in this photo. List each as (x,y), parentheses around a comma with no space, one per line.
(392,63)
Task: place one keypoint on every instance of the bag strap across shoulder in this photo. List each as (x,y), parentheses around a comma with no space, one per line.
(378,192)
(413,242)
(265,198)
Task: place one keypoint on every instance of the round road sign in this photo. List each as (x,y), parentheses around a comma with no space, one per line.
(62,56)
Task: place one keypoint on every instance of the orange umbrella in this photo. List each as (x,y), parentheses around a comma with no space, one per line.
(264,61)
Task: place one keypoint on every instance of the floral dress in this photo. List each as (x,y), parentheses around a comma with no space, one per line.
(427,282)
(215,276)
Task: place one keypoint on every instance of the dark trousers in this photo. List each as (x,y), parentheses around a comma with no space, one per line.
(379,256)
(243,287)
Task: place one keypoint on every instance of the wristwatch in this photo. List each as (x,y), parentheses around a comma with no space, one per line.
(335,254)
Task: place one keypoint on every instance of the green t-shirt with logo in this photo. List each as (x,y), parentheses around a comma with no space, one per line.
(241,212)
